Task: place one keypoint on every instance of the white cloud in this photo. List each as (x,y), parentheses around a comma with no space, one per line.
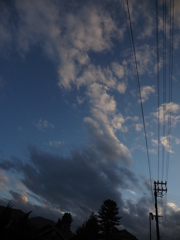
(121,87)
(146,91)
(43,124)
(56,144)
(132,192)
(135,118)
(97,74)
(80,100)
(154,142)
(88,29)
(149,23)
(138,127)
(106,143)
(145,56)
(117,123)
(118,70)
(164,110)
(165,143)
(152,134)
(100,99)
(67,38)
(173,206)
(177,140)
(153,151)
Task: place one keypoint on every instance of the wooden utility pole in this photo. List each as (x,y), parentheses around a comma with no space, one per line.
(151,217)
(158,192)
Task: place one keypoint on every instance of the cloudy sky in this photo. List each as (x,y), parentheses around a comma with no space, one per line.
(71,125)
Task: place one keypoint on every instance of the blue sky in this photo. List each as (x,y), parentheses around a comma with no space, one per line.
(71,125)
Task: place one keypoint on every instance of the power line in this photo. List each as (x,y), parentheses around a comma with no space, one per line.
(171,45)
(164,80)
(138,82)
(157,45)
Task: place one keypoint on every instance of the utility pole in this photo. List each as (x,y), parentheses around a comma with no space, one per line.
(151,217)
(158,192)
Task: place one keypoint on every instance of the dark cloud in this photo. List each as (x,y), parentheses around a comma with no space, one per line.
(78,183)
(136,216)
(21,198)
(15,164)
(170,222)
(45,211)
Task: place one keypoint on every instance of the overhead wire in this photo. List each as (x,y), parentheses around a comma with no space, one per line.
(172,195)
(140,97)
(127,27)
(164,82)
(157,46)
(171,46)
(170,39)
(166,100)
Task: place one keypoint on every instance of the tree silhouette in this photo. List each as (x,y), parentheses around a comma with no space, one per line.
(18,228)
(108,218)
(5,217)
(65,222)
(89,230)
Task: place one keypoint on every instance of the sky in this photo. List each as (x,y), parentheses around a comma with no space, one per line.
(72,132)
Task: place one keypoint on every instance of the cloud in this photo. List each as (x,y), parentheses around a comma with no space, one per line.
(80,100)
(139,211)
(122,87)
(90,28)
(43,124)
(154,142)
(135,118)
(118,70)
(117,123)
(105,143)
(66,37)
(165,143)
(177,141)
(148,22)
(145,56)
(45,210)
(97,74)
(100,99)
(56,144)
(78,183)
(132,192)
(3,180)
(105,122)
(145,92)
(153,151)
(92,181)
(21,198)
(138,127)
(164,111)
